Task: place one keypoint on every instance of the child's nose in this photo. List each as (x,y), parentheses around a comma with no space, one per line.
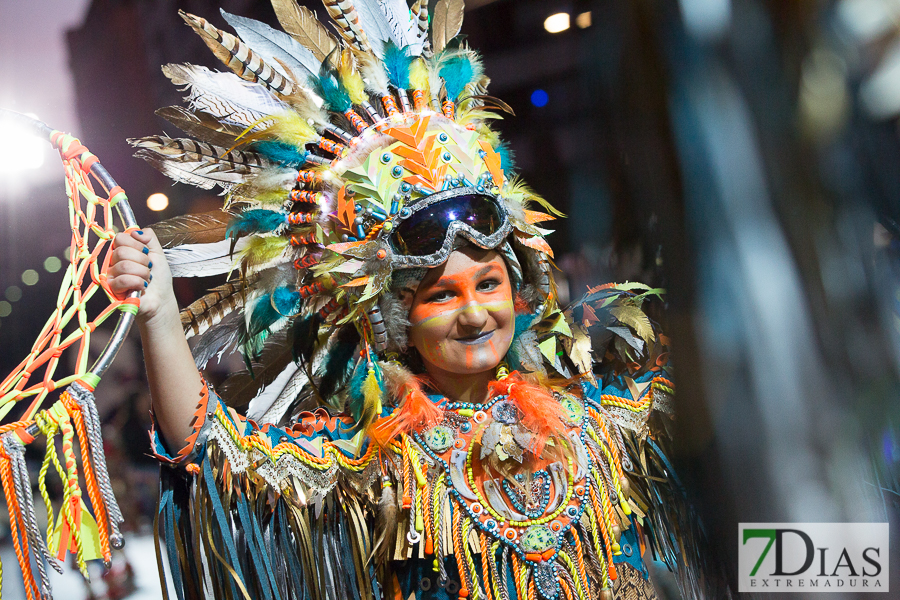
(474,316)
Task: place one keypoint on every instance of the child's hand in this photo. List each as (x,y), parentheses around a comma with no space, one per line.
(139,264)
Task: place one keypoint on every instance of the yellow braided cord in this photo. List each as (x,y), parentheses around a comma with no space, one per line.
(494,581)
(523,578)
(70,484)
(49,429)
(598,546)
(613,463)
(476,591)
(437,519)
(573,571)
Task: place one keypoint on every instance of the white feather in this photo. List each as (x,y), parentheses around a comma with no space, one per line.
(373,72)
(203,175)
(269,405)
(375,24)
(201,260)
(224,95)
(403,25)
(271,44)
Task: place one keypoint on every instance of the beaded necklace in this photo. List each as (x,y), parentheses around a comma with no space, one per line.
(564,514)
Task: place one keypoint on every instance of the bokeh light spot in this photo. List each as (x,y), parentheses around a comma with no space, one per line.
(557,23)
(30,277)
(5,308)
(539,98)
(13,293)
(52,264)
(157,202)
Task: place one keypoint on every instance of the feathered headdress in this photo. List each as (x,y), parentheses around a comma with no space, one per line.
(322,144)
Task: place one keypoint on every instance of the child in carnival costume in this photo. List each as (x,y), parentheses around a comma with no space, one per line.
(421,419)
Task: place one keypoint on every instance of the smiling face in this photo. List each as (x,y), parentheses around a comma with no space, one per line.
(461,318)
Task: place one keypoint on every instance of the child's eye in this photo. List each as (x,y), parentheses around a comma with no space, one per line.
(488,285)
(441,296)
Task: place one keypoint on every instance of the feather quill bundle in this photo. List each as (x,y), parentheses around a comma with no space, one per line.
(374,74)
(203,260)
(222,338)
(291,128)
(240,388)
(351,79)
(397,65)
(281,153)
(347,19)
(258,220)
(447,21)
(327,85)
(458,70)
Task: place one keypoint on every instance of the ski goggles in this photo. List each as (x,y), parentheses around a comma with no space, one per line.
(424,236)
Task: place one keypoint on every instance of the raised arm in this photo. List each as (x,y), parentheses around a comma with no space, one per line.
(138,263)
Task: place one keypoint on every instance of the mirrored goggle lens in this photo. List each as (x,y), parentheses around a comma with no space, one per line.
(424,231)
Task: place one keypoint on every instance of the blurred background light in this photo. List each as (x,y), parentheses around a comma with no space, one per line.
(5,308)
(706,19)
(539,98)
(52,264)
(13,293)
(20,149)
(556,23)
(583,20)
(880,94)
(157,202)
(868,19)
(30,277)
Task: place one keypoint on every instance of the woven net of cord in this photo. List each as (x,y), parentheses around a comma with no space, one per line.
(60,406)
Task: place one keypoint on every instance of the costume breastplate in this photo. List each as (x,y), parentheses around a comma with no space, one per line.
(550,513)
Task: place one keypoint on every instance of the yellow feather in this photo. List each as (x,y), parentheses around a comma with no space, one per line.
(372,391)
(372,394)
(517,190)
(351,79)
(488,135)
(262,250)
(466,115)
(418,76)
(293,129)
(270,197)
